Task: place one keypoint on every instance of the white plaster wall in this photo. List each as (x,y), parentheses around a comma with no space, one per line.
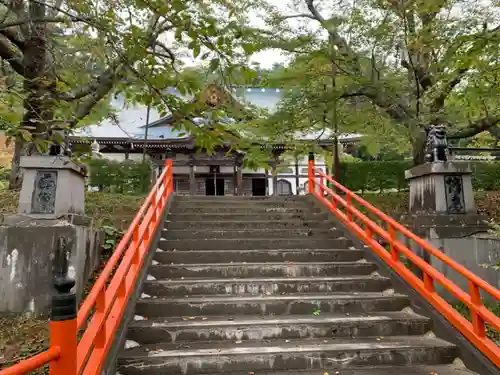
(251,171)
(181,170)
(201,169)
(181,157)
(121,156)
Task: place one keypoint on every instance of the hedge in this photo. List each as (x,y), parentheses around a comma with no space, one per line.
(127,177)
(389,175)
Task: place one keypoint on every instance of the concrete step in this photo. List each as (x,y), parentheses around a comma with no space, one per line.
(291,269)
(293,304)
(179,234)
(255,243)
(266,216)
(279,355)
(243,203)
(248,210)
(240,198)
(328,326)
(259,256)
(254,224)
(450,369)
(267,287)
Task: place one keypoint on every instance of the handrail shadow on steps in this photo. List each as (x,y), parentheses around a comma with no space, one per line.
(100,314)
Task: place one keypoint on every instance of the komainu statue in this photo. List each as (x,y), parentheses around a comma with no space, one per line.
(436,145)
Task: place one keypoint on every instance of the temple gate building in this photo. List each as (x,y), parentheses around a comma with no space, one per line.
(196,172)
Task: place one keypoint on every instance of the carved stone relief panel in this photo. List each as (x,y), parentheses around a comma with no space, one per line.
(44,193)
(455,201)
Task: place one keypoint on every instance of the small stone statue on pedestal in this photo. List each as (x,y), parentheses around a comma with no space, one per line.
(441,190)
(436,145)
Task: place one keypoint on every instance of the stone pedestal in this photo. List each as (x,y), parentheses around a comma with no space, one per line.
(443,212)
(27,246)
(52,186)
(51,209)
(441,188)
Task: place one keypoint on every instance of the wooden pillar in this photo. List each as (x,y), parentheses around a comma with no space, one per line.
(297,181)
(239,179)
(192,179)
(266,174)
(274,166)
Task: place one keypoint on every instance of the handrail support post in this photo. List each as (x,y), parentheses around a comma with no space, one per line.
(63,324)
(311,173)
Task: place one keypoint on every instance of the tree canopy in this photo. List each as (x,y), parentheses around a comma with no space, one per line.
(417,62)
(62,59)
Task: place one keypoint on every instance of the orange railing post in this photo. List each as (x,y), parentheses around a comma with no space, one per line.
(310,174)
(169,176)
(63,331)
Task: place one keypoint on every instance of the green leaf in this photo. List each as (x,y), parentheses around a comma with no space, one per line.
(214,64)
(196,50)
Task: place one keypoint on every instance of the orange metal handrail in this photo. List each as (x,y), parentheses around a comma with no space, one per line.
(33,363)
(475,332)
(101,312)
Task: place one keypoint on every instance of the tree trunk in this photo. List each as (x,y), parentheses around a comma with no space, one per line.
(15,177)
(38,85)
(418,147)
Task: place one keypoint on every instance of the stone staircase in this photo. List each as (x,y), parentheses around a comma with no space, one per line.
(258,286)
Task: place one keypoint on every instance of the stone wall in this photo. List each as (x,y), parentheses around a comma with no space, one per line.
(26,259)
(473,252)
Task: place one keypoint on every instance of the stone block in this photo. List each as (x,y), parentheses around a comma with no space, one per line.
(441,188)
(52,186)
(27,246)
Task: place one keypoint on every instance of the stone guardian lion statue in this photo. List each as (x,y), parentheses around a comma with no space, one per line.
(436,144)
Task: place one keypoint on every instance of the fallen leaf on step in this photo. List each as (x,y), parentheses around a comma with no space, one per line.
(434,373)
(251,373)
(325,341)
(287,340)
(204,318)
(188,318)
(238,342)
(325,373)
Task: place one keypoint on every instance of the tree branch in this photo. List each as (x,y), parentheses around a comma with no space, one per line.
(35,20)
(301,15)
(13,37)
(448,87)
(475,127)
(88,89)
(11,54)
(106,83)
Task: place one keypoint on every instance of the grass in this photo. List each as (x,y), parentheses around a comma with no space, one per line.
(23,336)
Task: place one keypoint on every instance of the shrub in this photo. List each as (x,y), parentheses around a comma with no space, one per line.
(389,175)
(375,175)
(124,177)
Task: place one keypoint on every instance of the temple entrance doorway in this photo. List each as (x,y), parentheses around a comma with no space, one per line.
(258,187)
(214,186)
